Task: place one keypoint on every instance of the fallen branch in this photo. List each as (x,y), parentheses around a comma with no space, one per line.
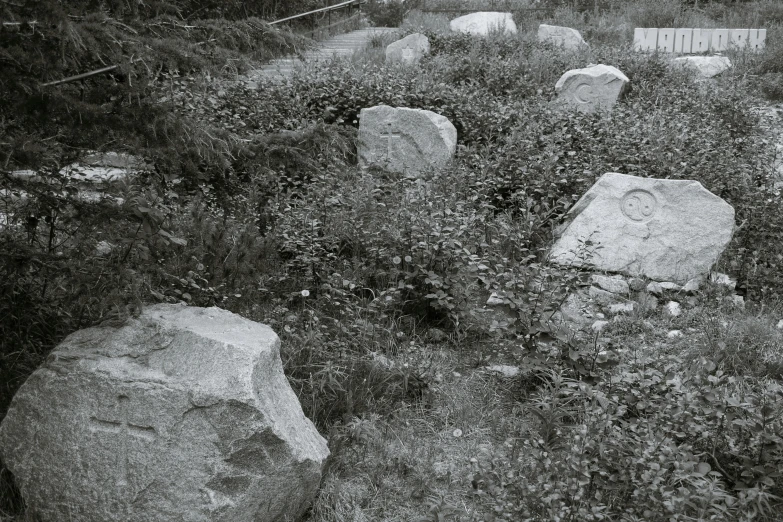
(81,76)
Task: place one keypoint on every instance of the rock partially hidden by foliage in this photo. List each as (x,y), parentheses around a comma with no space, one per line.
(484,22)
(705,66)
(592,88)
(409,141)
(408,50)
(182,413)
(666,230)
(564,37)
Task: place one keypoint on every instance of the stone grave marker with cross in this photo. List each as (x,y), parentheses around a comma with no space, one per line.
(402,140)
(182,413)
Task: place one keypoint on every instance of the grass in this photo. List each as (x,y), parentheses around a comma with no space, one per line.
(618,424)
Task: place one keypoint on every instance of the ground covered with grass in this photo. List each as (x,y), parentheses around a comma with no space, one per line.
(377,283)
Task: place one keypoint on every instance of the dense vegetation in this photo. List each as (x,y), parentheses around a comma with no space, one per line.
(376,282)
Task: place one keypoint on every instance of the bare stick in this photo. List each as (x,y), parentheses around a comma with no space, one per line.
(80,76)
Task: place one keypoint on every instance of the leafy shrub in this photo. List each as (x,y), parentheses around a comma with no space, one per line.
(657,443)
(385,13)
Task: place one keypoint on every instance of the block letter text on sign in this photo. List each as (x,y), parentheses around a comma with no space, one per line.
(682,40)
(694,41)
(645,39)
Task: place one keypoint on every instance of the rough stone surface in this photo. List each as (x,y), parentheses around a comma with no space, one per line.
(408,50)
(602,296)
(408,141)
(484,22)
(655,288)
(561,36)
(595,88)
(705,66)
(665,230)
(614,284)
(670,287)
(621,308)
(181,414)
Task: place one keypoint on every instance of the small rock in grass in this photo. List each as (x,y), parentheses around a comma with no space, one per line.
(780,325)
(621,308)
(599,315)
(599,325)
(738,301)
(655,288)
(504,369)
(614,284)
(723,279)
(674,333)
(495,300)
(671,287)
(673,308)
(103,248)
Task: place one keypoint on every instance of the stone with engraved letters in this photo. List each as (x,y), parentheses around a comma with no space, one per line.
(181,414)
(408,50)
(407,141)
(594,88)
(662,229)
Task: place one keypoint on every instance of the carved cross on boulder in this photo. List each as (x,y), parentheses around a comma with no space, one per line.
(125,430)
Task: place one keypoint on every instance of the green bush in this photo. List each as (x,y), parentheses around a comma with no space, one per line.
(385,13)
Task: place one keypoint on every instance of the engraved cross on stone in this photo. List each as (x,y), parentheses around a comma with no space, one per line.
(125,430)
(389,136)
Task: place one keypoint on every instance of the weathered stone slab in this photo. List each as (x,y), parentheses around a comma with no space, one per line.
(592,89)
(484,22)
(402,140)
(182,414)
(666,230)
(705,66)
(689,40)
(408,50)
(565,37)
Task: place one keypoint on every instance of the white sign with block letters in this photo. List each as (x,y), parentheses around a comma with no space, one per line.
(692,41)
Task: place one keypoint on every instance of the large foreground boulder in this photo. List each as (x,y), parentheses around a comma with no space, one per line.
(183,414)
(484,22)
(666,230)
(595,88)
(407,141)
